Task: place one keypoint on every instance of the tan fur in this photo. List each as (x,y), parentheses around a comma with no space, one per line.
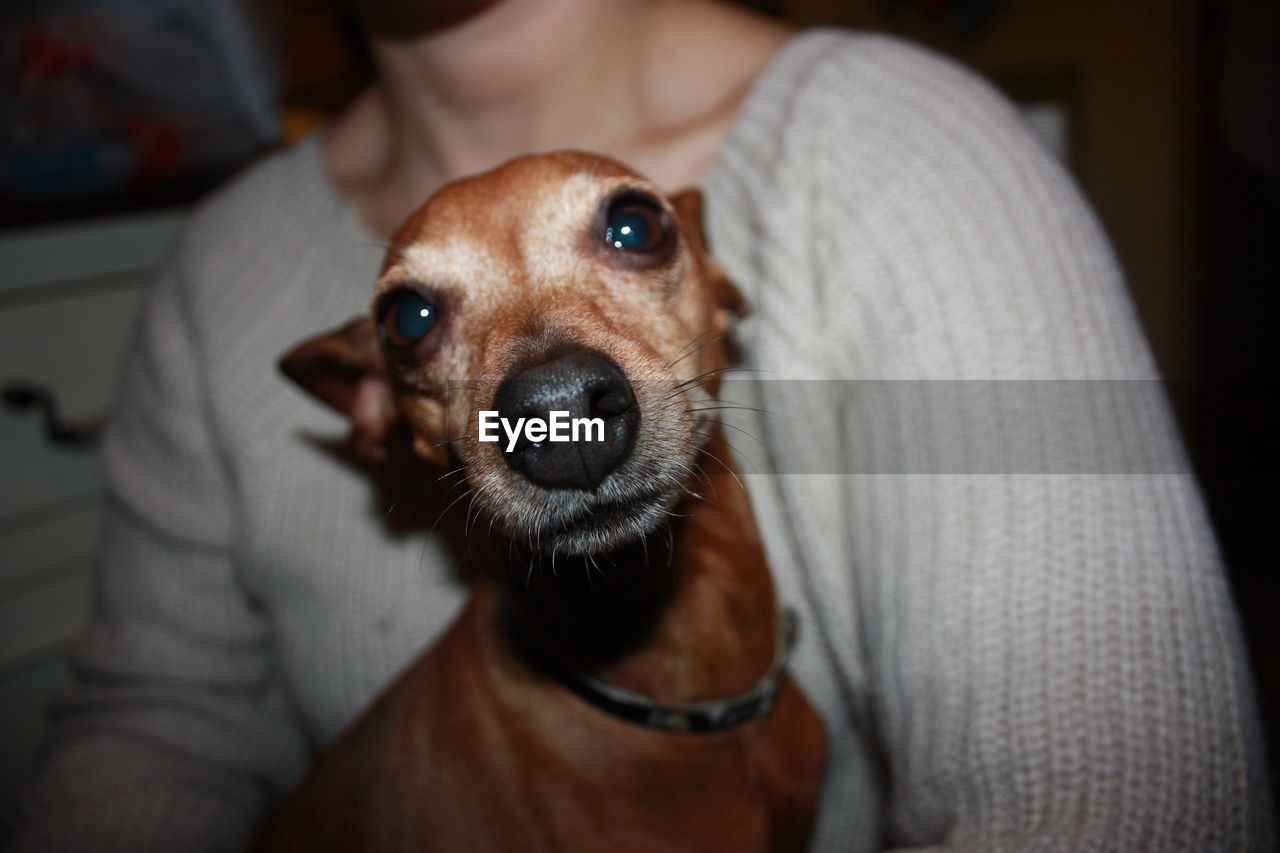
(473,749)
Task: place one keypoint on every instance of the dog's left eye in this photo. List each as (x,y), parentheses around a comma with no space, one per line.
(635,224)
(407,318)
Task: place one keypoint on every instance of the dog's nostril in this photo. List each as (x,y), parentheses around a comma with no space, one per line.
(610,402)
(584,385)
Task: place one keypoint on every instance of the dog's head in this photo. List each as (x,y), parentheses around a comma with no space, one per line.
(556,283)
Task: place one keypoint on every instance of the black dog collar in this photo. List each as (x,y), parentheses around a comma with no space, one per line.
(716,715)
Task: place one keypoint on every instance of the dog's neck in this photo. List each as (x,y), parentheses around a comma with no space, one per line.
(686,616)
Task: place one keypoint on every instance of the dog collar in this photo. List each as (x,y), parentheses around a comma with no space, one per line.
(715,715)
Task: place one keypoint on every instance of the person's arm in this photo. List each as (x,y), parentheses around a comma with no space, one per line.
(1056,661)
(177,732)
(1042,630)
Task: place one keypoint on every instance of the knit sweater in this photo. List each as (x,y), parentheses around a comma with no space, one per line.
(1006,658)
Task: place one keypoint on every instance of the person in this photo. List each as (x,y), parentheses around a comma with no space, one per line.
(1004,659)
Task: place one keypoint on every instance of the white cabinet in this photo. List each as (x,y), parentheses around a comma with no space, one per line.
(70,295)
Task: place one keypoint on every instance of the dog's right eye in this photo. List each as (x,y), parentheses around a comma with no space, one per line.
(407,318)
(636,225)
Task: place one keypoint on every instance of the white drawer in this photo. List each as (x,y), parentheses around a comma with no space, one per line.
(70,296)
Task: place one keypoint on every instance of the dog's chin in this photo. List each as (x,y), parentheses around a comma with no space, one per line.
(591,526)
(606,526)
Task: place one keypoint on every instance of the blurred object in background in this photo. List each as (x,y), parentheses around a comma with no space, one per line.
(325,64)
(965,18)
(1248,85)
(1234,431)
(111,98)
(115,116)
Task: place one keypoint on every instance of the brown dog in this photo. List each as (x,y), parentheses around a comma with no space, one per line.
(629,693)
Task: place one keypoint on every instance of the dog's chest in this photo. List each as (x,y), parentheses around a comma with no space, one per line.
(466,752)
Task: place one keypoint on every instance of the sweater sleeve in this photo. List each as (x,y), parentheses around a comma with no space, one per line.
(1055,660)
(1040,642)
(177,731)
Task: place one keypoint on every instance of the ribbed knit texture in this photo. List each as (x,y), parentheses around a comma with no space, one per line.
(1005,661)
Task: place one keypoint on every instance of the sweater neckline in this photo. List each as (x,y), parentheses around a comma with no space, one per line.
(785,66)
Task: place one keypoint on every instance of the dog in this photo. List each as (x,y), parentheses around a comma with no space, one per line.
(615,681)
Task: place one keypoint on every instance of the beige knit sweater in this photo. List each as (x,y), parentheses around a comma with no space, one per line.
(1031,653)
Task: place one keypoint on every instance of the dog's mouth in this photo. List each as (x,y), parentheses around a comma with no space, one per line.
(627,507)
(606,514)
(604,524)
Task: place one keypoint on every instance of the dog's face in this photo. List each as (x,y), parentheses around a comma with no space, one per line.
(560,282)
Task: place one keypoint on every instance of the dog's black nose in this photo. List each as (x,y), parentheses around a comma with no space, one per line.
(582,384)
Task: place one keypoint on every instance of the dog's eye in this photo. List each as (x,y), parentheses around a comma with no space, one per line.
(407,318)
(634,224)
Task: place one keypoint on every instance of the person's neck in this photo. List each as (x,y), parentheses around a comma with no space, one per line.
(528,75)
(609,76)
(525,76)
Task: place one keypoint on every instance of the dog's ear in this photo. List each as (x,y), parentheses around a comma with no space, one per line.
(688,205)
(344,369)
(726,292)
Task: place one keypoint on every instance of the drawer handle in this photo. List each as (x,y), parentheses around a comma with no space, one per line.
(79,435)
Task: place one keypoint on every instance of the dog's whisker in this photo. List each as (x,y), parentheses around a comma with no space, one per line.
(596,565)
(417,499)
(467,522)
(692,341)
(701,376)
(671,404)
(726,467)
(731,407)
(720,371)
(447,492)
(734,450)
(693,473)
(696,349)
(460,469)
(741,430)
(445,511)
